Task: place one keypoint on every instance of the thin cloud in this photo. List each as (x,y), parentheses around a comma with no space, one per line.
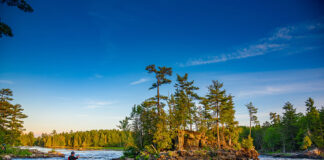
(6,82)
(311,86)
(291,39)
(142,80)
(98,104)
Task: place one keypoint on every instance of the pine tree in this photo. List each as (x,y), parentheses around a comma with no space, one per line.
(289,127)
(252,114)
(216,96)
(160,134)
(228,119)
(11,118)
(314,123)
(185,93)
(275,118)
(160,75)
(5,98)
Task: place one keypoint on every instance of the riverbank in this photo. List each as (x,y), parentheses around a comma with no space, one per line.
(90,148)
(28,153)
(311,154)
(219,154)
(84,155)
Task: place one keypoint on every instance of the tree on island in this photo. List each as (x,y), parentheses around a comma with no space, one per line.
(216,98)
(161,137)
(160,75)
(252,114)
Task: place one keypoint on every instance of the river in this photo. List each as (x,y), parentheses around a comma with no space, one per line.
(108,155)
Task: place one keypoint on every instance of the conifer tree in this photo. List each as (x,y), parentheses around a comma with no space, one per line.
(216,96)
(275,118)
(160,75)
(185,95)
(11,118)
(314,123)
(228,119)
(15,122)
(289,127)
(252,114)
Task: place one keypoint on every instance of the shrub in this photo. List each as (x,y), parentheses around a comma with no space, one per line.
(306,143)
(131,151)
(247,143)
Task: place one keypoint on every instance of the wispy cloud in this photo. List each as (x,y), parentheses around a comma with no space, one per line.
(291,39)
(98,104)
(142,80)
(311,86)
(6,81)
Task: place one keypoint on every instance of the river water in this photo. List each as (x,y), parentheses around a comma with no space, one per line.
(107,155)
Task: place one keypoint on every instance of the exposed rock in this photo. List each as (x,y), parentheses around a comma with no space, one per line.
(219,154)
(39,154)
(6,157)
(311,154)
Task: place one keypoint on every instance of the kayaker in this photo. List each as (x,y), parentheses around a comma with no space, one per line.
(72,157)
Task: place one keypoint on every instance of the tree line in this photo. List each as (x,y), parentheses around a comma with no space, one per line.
(290,131)
(79,139)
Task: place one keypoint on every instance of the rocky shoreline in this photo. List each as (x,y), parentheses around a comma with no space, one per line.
(35,154)
(294,155)
(312,154)
(219,154)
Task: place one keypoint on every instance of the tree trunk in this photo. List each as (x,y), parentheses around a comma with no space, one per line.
(223,136)
(217,127)
(230,141)
(250,126)
(158,98)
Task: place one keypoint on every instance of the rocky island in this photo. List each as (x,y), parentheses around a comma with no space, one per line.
(33,153)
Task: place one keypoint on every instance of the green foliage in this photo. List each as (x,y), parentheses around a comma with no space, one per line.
(288,132)
(214,116)
(154,126)
(11,119)
(314,123)
(252,114)
(271,139)
(16,151)
(162,137)
(131,152)
(247,143)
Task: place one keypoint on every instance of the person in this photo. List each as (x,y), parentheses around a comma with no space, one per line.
(72,157)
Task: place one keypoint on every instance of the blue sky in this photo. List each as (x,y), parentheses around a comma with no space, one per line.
(80,65)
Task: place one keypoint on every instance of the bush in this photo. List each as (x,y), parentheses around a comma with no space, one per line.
(16,151)
(306,143)
(131,151)
(247,143)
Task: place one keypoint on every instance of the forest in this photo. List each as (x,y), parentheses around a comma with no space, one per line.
(161,122)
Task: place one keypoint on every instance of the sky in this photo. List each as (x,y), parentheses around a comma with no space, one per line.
(80,65)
